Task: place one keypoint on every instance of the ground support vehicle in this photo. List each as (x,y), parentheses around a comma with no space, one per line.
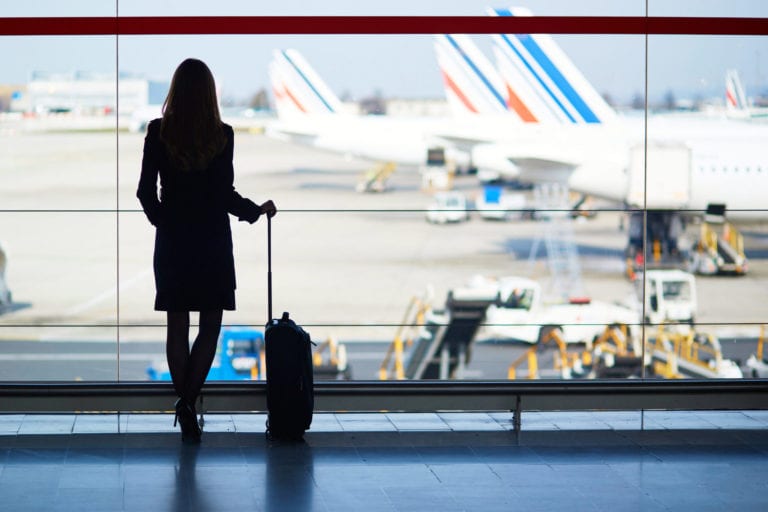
(437,174)
(434,344)
(375,179)
(518,312)
(612,355)
(691,354)
(497,204)
(719,252)
(657,235)
(757,362)
(448,207)
(240,356)
(669,296)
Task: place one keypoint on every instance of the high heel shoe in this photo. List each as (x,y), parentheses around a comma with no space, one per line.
(187,417)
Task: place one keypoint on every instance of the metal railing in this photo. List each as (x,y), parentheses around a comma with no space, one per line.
(398,396)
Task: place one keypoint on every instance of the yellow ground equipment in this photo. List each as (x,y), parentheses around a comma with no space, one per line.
(757,363)
(564,361)
(375,179)
(439,342)
(719,252)
(329,361)
(611,355)
(615,354)
(413,320)
(677,355)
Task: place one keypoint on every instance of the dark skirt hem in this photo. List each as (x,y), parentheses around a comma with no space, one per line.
(225,302)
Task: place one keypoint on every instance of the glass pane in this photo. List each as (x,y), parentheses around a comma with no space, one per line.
(58,123)
(60,272)
(58,353)
(728,351)
(355,241)
(45,8)
(711,8)
(705,169)
(60,267)
(396,8)
(142,351)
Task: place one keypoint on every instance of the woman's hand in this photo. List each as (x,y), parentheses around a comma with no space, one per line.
(269,208)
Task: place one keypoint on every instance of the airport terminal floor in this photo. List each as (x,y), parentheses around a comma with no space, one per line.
(592,461)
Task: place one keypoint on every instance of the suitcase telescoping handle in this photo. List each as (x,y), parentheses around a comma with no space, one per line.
(269,268)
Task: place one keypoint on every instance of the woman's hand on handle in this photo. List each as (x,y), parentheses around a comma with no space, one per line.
(269,208)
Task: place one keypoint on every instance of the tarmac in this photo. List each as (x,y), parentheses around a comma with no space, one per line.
(345,263)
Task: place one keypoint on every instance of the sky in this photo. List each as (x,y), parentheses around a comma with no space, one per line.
(358,66)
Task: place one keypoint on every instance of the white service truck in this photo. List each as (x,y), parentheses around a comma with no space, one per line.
(519,312)
(495,203)
(670,296)
(448,207)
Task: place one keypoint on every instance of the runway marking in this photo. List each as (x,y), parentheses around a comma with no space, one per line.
(124,285)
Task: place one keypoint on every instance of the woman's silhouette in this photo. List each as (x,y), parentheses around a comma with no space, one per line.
(191,149)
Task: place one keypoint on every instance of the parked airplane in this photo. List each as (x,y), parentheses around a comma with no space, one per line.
(686,167)
(472,84)
(735,99)
(535,68)
(737,104)
(309,113)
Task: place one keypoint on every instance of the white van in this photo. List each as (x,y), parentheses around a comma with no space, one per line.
(448,207)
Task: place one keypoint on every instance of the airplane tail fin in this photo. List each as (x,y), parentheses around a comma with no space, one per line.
(735,99)
(536,68)
(472,84)
(297,87)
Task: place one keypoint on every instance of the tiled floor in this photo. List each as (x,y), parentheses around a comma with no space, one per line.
(369,462)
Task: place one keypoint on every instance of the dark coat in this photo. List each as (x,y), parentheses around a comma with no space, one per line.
(193,262)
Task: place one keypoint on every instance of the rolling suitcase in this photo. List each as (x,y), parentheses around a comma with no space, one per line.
(290,383)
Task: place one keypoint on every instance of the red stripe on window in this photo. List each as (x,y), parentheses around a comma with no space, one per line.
(172,25)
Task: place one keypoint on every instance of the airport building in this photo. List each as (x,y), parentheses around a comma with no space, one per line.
(86,93)
(486,340)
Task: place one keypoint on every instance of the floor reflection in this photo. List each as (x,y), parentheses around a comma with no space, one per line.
(188,495)
(290,483)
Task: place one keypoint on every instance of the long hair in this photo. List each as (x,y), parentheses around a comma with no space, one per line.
(191,127)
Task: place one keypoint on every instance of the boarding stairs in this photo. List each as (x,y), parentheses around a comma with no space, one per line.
(552,205)
(375,179)
(444,348)
(719,252)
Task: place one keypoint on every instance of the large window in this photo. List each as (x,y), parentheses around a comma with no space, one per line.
(569,177)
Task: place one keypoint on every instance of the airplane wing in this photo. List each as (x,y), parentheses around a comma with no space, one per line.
(543,169)
(541,164)
(305,139)
(461,142)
